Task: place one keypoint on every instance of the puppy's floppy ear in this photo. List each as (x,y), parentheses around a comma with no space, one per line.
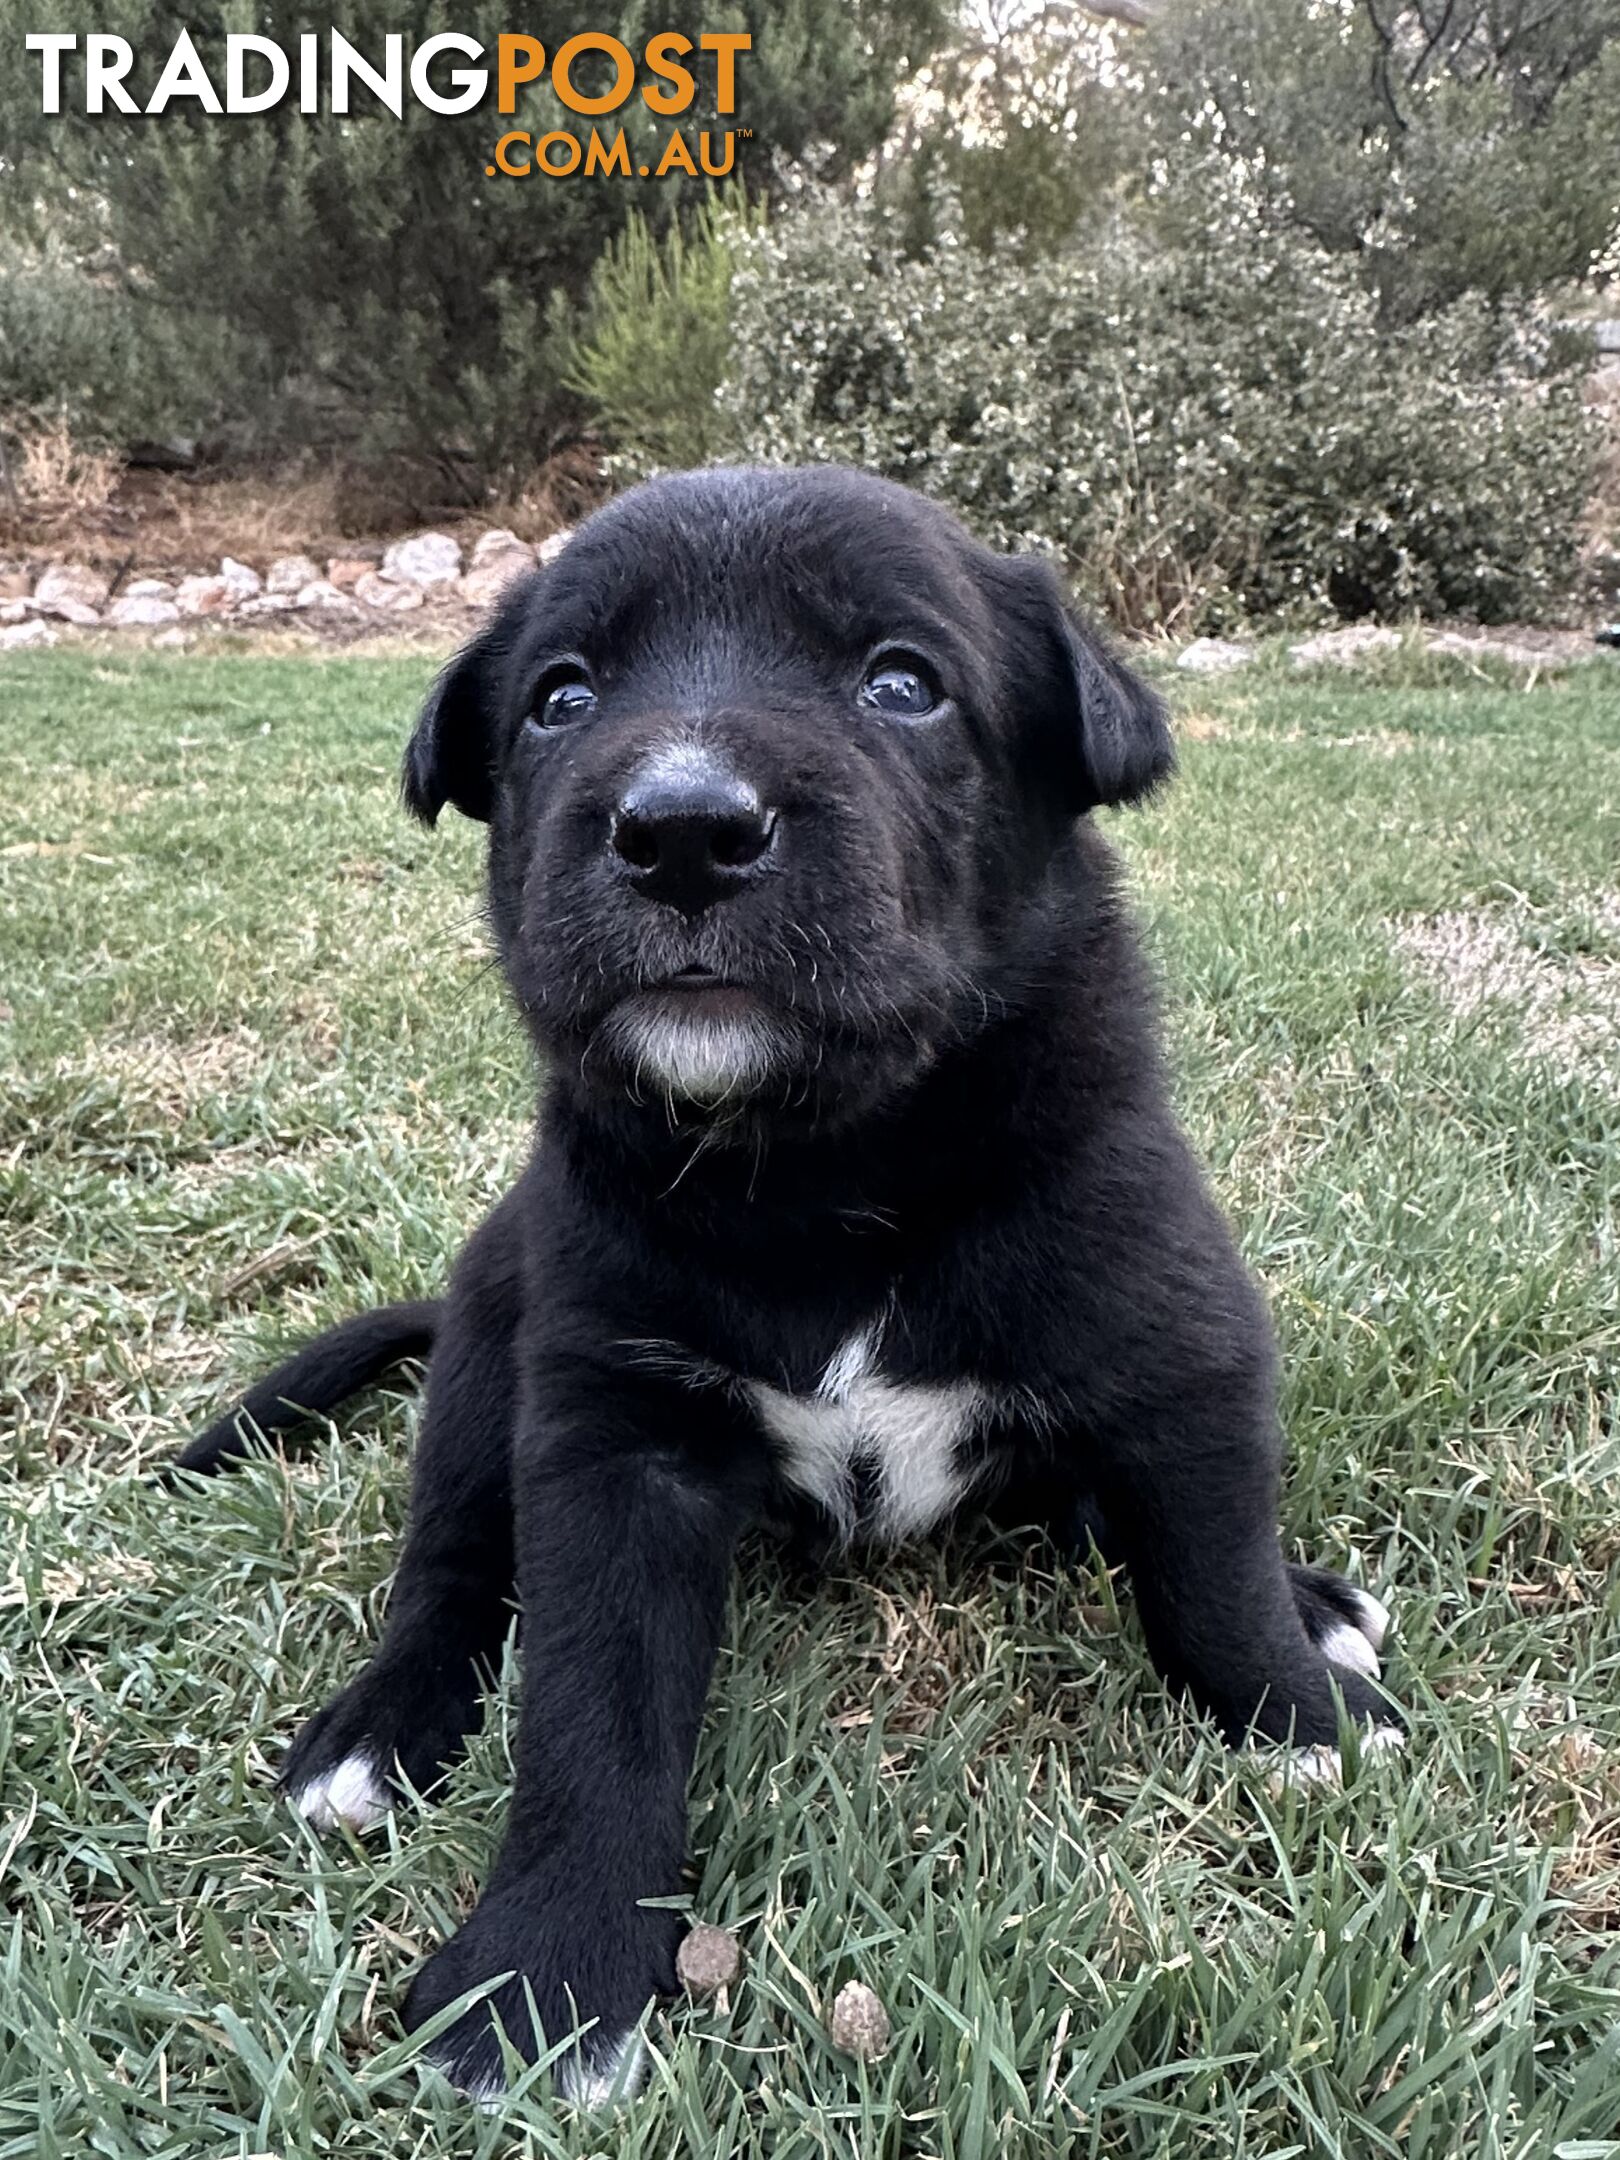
(450,757)
(1111,731)
(1126,749)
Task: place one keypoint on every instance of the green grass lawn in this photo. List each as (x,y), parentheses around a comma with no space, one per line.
(256,1072)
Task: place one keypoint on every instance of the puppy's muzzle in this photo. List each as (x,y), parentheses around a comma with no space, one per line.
(690,832)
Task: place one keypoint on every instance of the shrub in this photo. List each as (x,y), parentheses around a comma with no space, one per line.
(366,284)
(48,471)
(1202,429)
(69,346)
(1441,146)
(655,339)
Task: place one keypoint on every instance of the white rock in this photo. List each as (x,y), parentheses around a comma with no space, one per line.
(147,588)
(290,574)
(203,596)
(68,611)
(321,592)
(426,559)
(1490,648)
(172,638)
(1214,656)
(15,611)
(245,583)
(382,592)
(487,580)
(1343,648)
(499,541)
(137,611)
(270,603)
(71,585)
(554,543)
(26,633)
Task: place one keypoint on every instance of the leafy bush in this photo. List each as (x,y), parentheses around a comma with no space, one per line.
(71,351)
(1202,429)
(1441,146)
(656,337)
(365,284)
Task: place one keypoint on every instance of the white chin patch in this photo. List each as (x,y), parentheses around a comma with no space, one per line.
(1324,1765)
(698,1059)
(598,2080)
(354,1795)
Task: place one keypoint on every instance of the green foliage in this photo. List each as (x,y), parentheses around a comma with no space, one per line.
(70,347)
(1028,125)
(656,337)
(951,1772)
(1447,146)
(361,282)
(1207,428)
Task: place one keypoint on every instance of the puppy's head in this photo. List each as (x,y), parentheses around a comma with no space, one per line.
(777,765)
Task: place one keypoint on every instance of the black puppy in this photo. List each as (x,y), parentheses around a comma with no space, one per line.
(856,1195)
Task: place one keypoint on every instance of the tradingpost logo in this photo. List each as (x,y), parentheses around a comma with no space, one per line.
(596,78)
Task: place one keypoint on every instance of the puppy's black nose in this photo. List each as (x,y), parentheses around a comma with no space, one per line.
(690,832)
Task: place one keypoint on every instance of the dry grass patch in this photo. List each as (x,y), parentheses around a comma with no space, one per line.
(49,481)
(70,500)
(1563,1006)
(171,1078)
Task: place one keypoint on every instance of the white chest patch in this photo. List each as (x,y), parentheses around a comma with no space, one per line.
(904,1438)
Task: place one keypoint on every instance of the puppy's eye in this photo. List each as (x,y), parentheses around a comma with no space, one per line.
(902,686)
(561,699)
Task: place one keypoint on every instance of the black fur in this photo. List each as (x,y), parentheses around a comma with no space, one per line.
(956,1134)
(316,1380)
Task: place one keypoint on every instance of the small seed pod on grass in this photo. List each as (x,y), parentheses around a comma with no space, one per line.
(708,1960)
(859,2024)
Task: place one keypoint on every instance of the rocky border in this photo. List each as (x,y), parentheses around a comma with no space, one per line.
(352,594)
(428,588)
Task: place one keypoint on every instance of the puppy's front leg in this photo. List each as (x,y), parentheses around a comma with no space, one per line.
(630,1500)
(1193,1489)
(407,1714)
(1180,1406)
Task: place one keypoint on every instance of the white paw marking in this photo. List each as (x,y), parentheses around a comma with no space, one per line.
(1348,1648)
(596,2078)
(586,2079)
(1324,1765)
(487,2094)
(354,1794)
(1371,1617)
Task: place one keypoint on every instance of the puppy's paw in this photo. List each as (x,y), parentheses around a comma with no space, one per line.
(1302,1698)
(576,1965)
(353,1794)
(601,2074)
(1324,1766)
(1347,1625)
(385,1729)
(593,2075)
